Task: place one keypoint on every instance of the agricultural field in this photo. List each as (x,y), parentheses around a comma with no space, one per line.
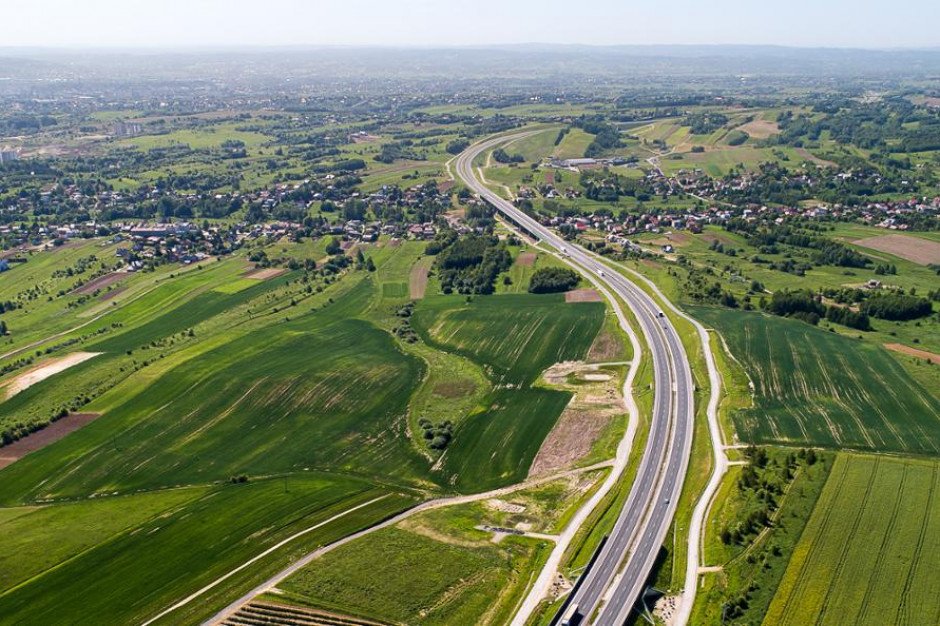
(517,415)
(573,145)
(157,310)
(729,260)
(866,555)
(538,327)
(457,572)
(186,446)
(819,388)
(426,576)
(162,547)
(314,394)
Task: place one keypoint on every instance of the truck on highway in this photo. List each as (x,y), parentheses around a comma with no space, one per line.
(571,617)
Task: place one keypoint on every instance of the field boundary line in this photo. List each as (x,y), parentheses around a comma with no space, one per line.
(819,531)
(849,538)
(429,505)
(260,556)
(904,607)
(880,559)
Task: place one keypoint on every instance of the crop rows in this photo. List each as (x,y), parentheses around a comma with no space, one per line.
(866,554)
(813,387)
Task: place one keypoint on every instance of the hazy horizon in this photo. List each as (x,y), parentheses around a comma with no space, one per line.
(220,24)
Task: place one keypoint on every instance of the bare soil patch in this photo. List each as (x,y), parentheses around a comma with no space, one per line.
(505,507)
(916,249)
(418,279)
(570,440)
(100,283)
(445,185)
(594,404)
(526,259)
(760,129)
(803,152)
(44,370)
(454,389)
(550,177)
(364,138)
(920,354)
(12,252)
(110,294)
(606,347)
(583,295)
(711,237)
(674,239)
(42,438)
(265,274)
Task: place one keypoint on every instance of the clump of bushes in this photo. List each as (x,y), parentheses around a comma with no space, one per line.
(437,436)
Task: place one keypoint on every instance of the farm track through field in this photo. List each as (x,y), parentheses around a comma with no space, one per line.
(847,540)
(302,562)
(797,590)
(904,609)
(882,550)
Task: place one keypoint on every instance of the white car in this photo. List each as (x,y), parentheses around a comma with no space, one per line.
(601,272)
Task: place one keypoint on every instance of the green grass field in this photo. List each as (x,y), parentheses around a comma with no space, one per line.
(533,149)
(211,137)
(814,387)
(869,552)
(161,310)
(436,569)
(146,566)
(420,580)
(514,338)
(297,396)
(573,145)
(518,335)
(37,538)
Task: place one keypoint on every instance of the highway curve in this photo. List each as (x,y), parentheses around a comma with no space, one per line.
(626,559)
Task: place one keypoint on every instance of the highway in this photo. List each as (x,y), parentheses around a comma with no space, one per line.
(625,561)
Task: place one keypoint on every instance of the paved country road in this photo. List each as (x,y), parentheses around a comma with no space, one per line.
(615,581)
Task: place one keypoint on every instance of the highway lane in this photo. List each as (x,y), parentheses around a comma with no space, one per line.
(651,503)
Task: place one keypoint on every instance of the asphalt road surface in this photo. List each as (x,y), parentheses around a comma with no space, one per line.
(628,556)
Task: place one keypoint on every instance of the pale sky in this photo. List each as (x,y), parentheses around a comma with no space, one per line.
(210,23)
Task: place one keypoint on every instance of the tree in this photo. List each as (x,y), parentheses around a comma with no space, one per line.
(457,146)
(334,247)
(3,328)
(370,265)
(553,280)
